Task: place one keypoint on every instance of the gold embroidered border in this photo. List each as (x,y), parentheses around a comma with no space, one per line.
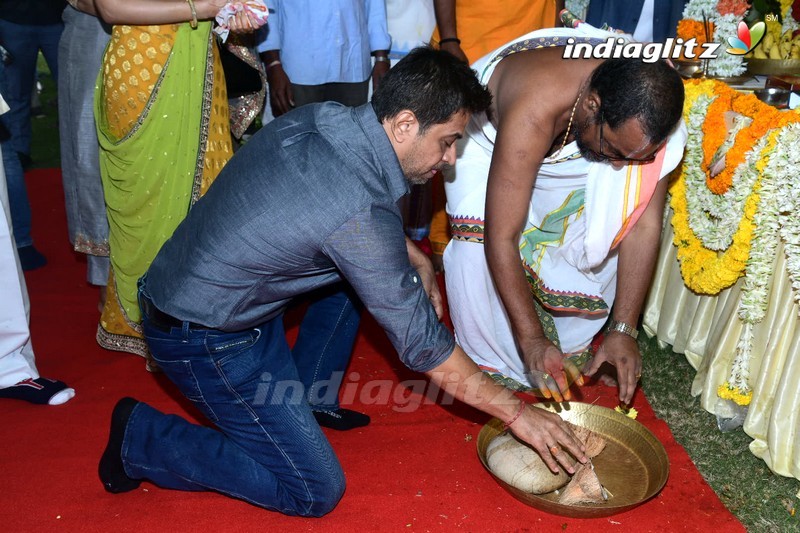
(205,119)
(85,245)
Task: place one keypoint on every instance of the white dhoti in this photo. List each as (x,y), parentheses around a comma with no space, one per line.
(579,212)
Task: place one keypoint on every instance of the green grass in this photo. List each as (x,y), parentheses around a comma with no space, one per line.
(761,500)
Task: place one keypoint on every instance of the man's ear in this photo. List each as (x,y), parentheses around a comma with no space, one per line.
(403,126)
(592,103)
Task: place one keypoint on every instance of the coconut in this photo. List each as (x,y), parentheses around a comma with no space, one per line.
(584,487)
(593,442)
(520,466)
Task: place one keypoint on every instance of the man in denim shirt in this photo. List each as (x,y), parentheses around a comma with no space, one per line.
(310,200)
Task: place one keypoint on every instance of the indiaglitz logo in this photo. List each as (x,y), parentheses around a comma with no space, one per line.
(617,47)
(745,41)
(747,38)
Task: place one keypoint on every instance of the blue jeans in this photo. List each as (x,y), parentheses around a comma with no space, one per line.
(325,343)
(268,449)
(16,85)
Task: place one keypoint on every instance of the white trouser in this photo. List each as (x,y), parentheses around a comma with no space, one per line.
(16,351)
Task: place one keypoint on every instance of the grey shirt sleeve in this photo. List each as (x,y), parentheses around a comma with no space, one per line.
(369,250)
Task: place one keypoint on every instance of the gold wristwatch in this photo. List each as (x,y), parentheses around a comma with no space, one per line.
(622,327)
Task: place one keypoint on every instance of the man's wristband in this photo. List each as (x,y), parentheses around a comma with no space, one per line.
(449,40)
(274,64)
(622,327)
(379,59)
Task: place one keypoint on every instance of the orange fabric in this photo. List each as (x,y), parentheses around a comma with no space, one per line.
(134,60)
(440,226)
(485,25)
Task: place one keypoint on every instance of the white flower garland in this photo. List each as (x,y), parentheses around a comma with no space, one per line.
(776,219)
(715,218)
(725,65)
(766,235)
(784,164)
(695,8)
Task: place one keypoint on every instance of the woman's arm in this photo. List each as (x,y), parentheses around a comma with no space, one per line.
(141,12)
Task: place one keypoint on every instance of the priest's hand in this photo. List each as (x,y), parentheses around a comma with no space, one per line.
(621,351)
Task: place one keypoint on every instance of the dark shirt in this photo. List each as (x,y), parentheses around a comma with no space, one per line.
(32,12)
(309,200)
(624,15)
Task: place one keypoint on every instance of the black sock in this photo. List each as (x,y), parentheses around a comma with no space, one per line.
(40,390)
(111,470)
(30,258)
(341,419)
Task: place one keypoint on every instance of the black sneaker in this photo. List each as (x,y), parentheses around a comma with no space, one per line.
(341,419)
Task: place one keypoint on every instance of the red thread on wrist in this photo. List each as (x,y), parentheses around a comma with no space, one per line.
(522,406)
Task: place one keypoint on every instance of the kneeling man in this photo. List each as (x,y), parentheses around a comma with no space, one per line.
(309,201)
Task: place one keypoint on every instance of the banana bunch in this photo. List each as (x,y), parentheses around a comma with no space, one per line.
(786,46)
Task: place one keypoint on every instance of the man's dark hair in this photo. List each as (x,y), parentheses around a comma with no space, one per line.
(435,85)
(649,92)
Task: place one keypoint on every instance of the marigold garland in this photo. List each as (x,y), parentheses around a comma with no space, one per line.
(726,392)
(759,154)
(764,118)
(693,29)
(733,7)
(703,270)
(707,271)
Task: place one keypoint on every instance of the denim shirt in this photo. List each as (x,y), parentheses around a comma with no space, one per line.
(311,199)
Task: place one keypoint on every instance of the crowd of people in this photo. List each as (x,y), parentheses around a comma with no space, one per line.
(553,172)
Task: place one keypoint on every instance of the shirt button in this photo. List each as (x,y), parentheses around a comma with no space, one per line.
(415,279)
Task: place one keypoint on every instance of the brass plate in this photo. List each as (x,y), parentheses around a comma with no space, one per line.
(633,467)
(767,67)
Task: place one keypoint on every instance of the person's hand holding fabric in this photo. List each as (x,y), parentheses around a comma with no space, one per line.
(240,17)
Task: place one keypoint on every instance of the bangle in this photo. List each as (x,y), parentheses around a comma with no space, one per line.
(449,40)
(378,59)
(193,22)
(274,64)
(522,406)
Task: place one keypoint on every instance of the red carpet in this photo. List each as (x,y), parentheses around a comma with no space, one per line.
(407,471)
